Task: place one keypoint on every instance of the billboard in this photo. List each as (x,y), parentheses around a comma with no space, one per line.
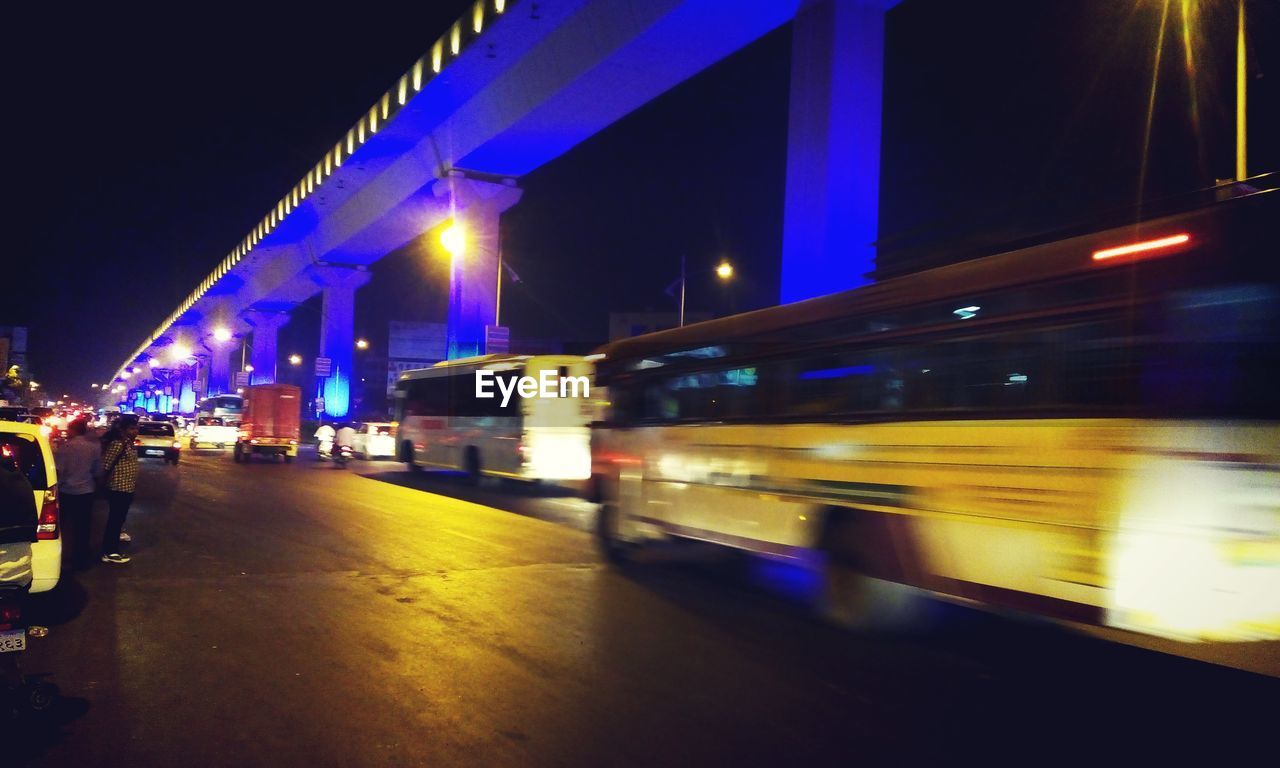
(417,341)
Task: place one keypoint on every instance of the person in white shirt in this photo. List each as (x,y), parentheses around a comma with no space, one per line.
(346,436)
(79,465)
(324,436)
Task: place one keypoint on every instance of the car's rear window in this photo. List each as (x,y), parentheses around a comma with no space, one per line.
(155,430)
(30,459)
(210,421)
(382,429)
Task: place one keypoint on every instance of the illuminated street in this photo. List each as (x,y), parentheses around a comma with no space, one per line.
(601,383)
(298,614)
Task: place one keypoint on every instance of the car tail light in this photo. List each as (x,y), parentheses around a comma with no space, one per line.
(177,444)
(47,528)
(293,442)
(254,441)
(10,614)
(136,441)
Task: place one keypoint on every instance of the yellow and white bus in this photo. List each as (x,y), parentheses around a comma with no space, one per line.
(1087,430)
(526,435)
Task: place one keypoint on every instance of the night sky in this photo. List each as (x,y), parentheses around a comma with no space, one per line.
(147,145)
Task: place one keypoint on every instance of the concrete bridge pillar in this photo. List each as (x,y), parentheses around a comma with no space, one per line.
(337,332)
(219,381)
(833,147)
(266,327)
(473,271)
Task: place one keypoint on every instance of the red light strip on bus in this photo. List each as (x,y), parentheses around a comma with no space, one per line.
(1142,247)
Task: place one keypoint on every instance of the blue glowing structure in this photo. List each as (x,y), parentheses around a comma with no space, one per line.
(187,398)
(337,394)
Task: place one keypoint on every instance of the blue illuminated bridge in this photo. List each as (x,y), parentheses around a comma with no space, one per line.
(510,86)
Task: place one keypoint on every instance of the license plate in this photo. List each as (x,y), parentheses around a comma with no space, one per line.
(13,640)
(155,453)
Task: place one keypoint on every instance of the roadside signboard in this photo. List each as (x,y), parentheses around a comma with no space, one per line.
(324,366)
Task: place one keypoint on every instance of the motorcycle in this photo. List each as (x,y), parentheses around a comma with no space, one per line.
(341,455)
(21,693)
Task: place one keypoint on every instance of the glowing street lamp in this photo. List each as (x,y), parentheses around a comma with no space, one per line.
(454,239)
(248,368)
(724,271)
(180,352)
(295,359)
(221,334)
(362,344)
(93,386)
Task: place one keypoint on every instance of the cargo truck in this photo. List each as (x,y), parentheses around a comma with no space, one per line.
(270,423)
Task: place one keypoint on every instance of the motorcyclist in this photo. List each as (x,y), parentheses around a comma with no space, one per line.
(325,436)
(345,437)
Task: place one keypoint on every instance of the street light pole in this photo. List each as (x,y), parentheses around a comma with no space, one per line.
(683,282)
(1242,171)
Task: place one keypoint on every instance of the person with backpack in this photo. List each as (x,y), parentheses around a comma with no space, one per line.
(120,463)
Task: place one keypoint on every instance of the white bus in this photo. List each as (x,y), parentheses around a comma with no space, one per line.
(546,436)
(1086,430)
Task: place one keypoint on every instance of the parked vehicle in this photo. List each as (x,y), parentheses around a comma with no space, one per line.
(20,692)
(35,459)
(215,431)
(158,440)
(375,439)
(271,424)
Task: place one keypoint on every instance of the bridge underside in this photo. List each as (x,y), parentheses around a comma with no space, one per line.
(530,86)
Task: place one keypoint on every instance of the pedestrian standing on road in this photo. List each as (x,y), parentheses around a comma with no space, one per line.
(79,464)
(121,478)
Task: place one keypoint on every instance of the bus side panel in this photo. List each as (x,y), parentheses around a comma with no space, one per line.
(1073,519)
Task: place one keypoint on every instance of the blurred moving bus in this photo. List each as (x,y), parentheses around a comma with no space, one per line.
(1084,430)
(222,406)
(443,424)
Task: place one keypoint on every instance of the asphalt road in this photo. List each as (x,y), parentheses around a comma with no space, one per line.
(302,615)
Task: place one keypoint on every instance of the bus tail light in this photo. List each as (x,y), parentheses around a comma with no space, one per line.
(1144,248)
(47,528)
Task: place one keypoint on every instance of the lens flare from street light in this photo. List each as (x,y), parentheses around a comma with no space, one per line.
(221,334)
(295,359)
(454,239)
(724,271)
(362,344)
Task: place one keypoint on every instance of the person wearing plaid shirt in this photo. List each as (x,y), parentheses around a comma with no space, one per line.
(120,462)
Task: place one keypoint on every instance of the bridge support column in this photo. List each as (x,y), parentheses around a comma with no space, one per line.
(337,332)
(219,368)
(266,327)
(833,147)
(473,283)
(473,271)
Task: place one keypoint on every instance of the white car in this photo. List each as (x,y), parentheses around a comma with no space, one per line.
(157,439)
(36,460)
(215,431)
(375,439)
